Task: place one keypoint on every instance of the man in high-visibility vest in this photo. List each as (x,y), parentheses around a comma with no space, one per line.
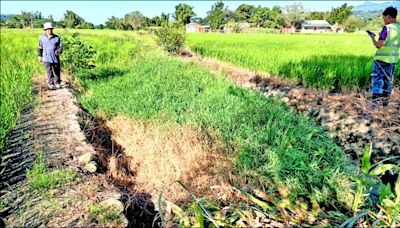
(386,58)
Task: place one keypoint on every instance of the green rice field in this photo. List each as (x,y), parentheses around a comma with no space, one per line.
(18,65)
(325,61)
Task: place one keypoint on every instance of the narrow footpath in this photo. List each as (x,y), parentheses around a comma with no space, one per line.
(51,126)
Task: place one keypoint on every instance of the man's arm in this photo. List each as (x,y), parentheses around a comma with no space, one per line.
(40,50)
(59,47)
(378,44)
(383,34)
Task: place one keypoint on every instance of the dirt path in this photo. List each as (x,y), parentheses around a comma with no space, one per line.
(52,127)
(345,115)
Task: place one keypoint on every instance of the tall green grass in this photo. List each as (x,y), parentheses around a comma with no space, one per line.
(268,144)
(325,61)
(18,65)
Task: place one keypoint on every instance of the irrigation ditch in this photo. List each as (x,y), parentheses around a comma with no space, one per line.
(139,209)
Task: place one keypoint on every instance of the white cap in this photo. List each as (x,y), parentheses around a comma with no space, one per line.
(47,25)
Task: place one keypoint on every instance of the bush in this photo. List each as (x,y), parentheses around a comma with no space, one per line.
(77,54)
(171,37)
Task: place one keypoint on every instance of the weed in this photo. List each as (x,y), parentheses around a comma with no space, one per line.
(377,203)
(41,179)
(2,205)
(104,214)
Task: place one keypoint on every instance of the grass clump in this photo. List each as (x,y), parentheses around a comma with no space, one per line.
(42,179)
(105,215)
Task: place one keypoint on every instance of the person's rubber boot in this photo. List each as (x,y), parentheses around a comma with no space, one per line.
(385,99)
(375,101)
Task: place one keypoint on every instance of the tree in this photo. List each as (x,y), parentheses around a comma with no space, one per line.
(115,23)
(294,14)
(183,13)
(13,22)
(199,20)
(135,20)
(25,19)
(261,17)
(72,20)
(99,26)
(244,12)
(216,17)
(156,21)
(146,22)
(85,25)
(164,18)
(374,23)
(353,24)
(340,14)
(276,16)
(317,15)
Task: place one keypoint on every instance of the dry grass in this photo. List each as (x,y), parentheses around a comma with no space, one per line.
(160,155)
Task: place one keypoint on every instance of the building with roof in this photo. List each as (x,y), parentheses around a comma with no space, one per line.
(315,26)
(195,27)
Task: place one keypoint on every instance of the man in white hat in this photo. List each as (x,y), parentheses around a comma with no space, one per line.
(50,48)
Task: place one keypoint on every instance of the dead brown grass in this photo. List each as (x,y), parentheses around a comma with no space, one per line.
(160,155)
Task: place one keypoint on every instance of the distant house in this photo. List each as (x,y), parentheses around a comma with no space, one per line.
(310,26)
(195,27)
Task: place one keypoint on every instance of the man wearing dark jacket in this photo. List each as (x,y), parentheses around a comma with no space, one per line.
(50,48)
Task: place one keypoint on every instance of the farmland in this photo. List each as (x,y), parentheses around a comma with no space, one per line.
(137,86)
(324,61)
(17,67)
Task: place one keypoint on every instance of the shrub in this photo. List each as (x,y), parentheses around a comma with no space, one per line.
(77,54)
(171,37)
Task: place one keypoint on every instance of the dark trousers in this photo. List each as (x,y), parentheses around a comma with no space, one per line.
(53,73)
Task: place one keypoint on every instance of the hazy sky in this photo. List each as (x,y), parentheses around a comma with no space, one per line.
(98,11)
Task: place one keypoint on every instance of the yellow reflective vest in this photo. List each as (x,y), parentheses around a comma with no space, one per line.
(390,51)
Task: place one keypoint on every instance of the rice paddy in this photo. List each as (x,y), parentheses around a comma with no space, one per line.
(333,62)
